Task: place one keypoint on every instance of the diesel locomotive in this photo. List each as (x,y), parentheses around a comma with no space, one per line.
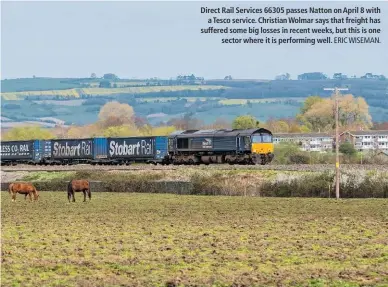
(237,146)
(250,146)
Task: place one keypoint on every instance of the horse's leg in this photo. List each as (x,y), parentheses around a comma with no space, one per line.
(25,196)
(13,196)
(89,194)
(84,192)
(73,194)
(30,196)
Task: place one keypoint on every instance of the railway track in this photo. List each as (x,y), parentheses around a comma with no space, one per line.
(296,167)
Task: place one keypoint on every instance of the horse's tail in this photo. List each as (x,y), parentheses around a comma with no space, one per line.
(36,193)
(69,187)
(10,188)
(90,191)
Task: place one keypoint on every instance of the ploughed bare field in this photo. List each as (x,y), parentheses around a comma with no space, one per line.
(129,239)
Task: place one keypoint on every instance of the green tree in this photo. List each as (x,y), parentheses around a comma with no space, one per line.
(116,114)
(309,102)
(110,76)
(317,113)
(284,151)
(120,131)
(28,133)
(105,84)
(245,122)
(347,149)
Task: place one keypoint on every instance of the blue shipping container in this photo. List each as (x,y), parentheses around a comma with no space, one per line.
(100,148)
(42,149)
(161,144)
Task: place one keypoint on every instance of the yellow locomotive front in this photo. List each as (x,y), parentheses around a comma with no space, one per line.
(262,145)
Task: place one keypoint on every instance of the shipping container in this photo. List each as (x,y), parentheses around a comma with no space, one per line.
(17,150)
(161,144)
(100,150)
(72,149)
(42,150)
(131,148)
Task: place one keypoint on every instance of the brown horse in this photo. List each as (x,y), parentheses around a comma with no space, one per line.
(25,188)
(77,186)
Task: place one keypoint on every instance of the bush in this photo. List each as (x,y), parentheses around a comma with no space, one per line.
(347,149)
(299,158)
(352,185)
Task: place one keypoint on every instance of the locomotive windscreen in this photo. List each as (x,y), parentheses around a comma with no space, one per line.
(265,138)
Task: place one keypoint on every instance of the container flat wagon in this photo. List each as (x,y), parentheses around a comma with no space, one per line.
(128,150)
(23,152)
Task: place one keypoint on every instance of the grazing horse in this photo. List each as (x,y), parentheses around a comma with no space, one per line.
(25,188)
(78,185)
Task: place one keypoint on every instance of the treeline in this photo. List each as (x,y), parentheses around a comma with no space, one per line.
(119,119)
(372,89)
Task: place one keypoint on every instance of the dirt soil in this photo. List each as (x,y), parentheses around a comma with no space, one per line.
(127,239)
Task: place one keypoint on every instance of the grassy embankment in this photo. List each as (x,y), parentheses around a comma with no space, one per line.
(239,182)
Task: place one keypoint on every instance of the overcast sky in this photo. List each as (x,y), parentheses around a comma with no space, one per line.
(162,39)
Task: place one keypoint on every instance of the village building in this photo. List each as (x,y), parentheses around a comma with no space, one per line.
(366,140)
(319,142)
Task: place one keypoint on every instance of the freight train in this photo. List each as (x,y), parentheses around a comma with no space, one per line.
(189,147)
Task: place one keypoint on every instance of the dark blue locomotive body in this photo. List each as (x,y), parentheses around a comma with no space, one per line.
(236,146)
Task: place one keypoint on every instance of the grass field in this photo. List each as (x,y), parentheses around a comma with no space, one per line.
(258,101)
(166,99)
(125,239)
(262,111)
(120,83)
(76,93)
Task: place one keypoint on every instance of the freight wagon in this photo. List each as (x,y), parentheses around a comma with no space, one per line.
(137,149)
(86,151)
(27,152)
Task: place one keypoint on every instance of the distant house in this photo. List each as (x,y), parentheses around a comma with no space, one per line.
(307,141)
(366,140)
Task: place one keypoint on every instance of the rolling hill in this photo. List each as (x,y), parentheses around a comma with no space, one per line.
(78,100)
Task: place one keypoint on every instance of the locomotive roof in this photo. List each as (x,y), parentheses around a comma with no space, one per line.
(221,132)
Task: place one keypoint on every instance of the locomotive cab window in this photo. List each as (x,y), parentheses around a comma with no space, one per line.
(247,142)
(183,143)
(267,138)
(256,139)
